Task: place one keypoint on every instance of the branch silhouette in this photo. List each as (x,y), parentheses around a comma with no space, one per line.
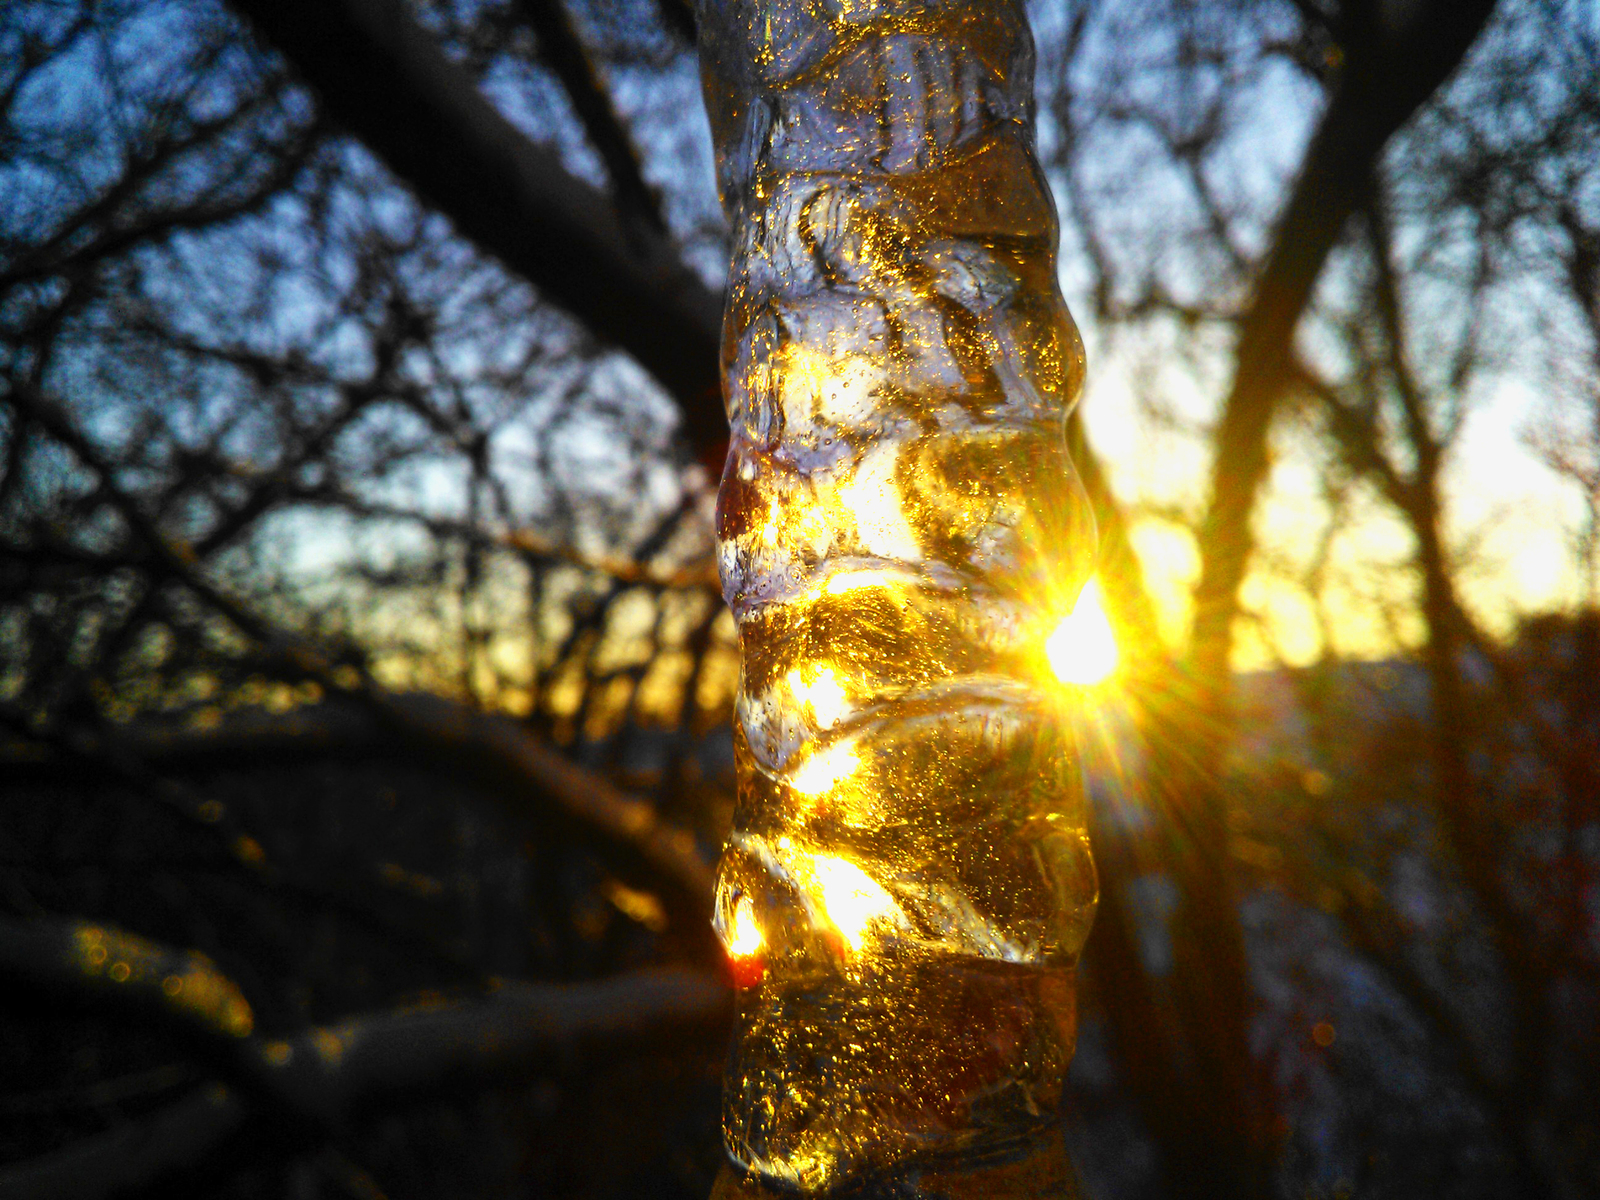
(320,1077)
(387,82)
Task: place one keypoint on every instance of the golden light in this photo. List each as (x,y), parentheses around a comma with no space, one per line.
(744,935)
(821,771)
(846,582)
(840,389)
(1083,649)
(872,497)
(852,899)
(823,694)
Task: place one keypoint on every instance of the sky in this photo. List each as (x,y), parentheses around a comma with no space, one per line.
(1514,510)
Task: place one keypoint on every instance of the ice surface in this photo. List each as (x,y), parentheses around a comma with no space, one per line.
(908,884)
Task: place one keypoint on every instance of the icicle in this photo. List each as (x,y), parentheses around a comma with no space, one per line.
(908,884)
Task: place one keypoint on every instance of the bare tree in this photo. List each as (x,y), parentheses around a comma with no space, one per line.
(354,363)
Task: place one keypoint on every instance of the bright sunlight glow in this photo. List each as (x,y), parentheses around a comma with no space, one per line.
(824,694)
(820,772)
(1083,650)
(744,939)
(852,898)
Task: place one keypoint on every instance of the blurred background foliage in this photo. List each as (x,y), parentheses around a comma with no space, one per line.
(364,682)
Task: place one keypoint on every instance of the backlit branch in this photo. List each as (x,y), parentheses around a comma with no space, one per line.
(1386,77)
(483,740)
(322,1076)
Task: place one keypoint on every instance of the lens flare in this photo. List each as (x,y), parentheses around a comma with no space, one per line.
(1083,649)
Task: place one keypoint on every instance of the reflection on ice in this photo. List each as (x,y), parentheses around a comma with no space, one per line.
(823,695)
(822,771)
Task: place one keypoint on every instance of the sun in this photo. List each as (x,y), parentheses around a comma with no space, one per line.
(1083,650)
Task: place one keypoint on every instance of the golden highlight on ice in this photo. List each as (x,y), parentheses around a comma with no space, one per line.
(823,694)
(822,771)
(744,936)
(852,898)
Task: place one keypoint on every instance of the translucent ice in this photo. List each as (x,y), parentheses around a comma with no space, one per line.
(908,883)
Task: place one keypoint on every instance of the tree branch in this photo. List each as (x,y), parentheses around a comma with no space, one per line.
(322,1076)
(388,83)
(1386,78)
(562,50)
(481,739)
(101,964)
(132,1156)
(500,743)
(1387,75)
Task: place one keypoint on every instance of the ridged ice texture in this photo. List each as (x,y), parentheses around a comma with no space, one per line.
(908,883)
